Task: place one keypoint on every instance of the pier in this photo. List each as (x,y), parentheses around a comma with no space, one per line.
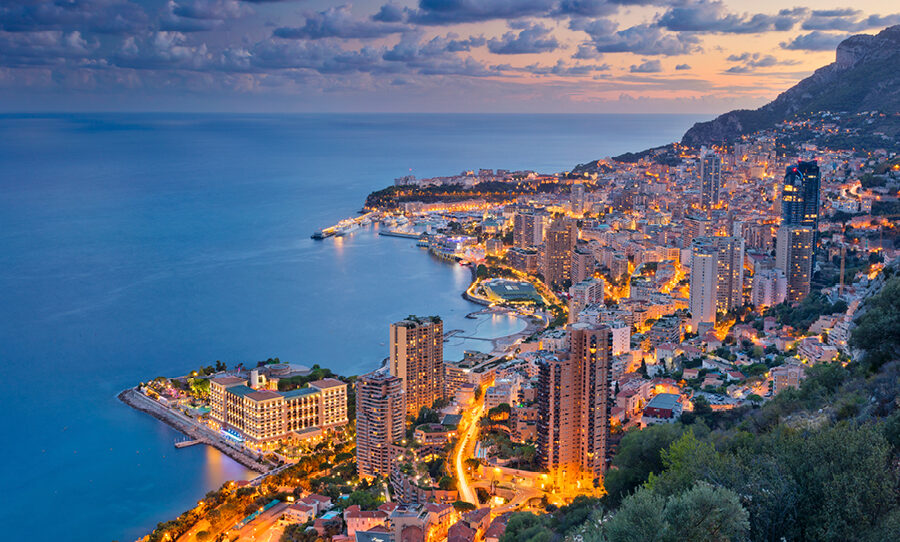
(404,234)
(186,443)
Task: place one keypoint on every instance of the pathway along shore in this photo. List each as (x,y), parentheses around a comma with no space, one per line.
(138,401)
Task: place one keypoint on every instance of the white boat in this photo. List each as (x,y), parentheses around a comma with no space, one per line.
(345,229)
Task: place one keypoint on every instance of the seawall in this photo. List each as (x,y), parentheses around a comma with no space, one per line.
(141,402)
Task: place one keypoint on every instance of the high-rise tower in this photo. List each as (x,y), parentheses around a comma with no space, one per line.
(417,357)
(380,422)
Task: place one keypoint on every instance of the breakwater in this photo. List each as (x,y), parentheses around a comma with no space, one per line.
(138,401)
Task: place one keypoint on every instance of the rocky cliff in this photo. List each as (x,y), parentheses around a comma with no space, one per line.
(865,76)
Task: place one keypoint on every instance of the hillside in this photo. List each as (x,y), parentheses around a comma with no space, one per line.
(865,76)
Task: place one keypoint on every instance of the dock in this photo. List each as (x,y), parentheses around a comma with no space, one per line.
(186,443)
(404,234)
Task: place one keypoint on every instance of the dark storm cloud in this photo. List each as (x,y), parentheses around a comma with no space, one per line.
(338,22)
(712,16)
(814,41)
(533,38)
(649,66)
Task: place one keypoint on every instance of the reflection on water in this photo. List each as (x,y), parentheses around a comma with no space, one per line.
(219,468)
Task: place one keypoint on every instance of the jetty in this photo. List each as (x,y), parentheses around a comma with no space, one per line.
(192,430)
(397,233)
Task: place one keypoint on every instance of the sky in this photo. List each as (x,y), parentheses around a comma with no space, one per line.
(478,56)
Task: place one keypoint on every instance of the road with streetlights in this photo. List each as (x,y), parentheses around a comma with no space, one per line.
(466,492)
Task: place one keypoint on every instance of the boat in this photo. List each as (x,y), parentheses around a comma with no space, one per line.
(318,235)
(346,229)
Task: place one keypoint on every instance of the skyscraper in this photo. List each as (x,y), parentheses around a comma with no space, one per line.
(710,178)
(730,273)
(704,282)
(559,245)
(801,197)
(717,283)
(417,357)
(528,229)
(794,248)
(577,198)
(574,405)
(380,422)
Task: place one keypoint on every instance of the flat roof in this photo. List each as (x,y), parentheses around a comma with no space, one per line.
(299,392)
(327,383)
(665,401)
(228,380)
(240,390)
(263,395)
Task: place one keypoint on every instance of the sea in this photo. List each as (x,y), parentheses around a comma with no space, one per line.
(140,245)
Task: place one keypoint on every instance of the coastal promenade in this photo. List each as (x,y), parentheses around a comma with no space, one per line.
(138,401)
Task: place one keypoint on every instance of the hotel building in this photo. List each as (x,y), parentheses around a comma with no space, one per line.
(262,418)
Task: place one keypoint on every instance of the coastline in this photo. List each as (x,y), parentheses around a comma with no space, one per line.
(142,403)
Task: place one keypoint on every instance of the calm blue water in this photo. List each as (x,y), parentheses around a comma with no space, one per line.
(133,246)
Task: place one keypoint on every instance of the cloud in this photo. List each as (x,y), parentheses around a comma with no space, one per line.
(814,41)
(751,61)
(410,49)
(445,12)
(713,16)
(389,13)
(585,8)
(847,21)
(560,69)
(338,22)
(44,48)
(649,66)
(680,67)
(85,16)
(201,15)
(533,38)
(587,52)
(643,39)
(162,50)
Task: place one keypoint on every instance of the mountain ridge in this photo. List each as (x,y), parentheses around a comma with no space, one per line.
(864,76)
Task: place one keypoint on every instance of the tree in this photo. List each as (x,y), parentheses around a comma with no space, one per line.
(878,329)
(527,527)
(637,457)
(707,514)
(641,517)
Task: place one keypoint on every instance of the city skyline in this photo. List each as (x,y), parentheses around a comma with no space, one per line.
(570,56)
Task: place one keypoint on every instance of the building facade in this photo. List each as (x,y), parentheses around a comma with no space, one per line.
(574,406)
(417,357)
(380,422)
(559,245)
(263,418)
(794,257)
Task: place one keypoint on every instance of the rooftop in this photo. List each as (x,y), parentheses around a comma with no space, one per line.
(327,383)
(664,401)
